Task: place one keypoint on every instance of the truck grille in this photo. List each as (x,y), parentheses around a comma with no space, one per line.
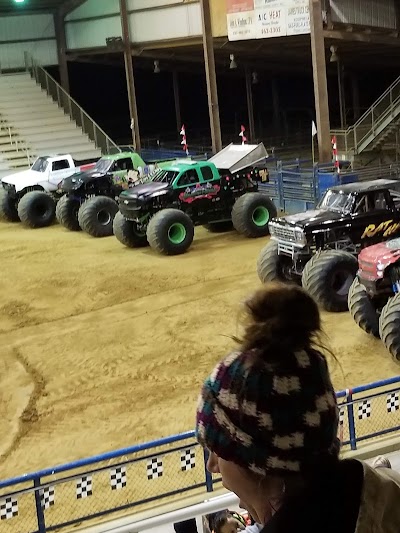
(282,233)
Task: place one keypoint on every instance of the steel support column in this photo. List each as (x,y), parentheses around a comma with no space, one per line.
(211,76)
(130,79)
(175,81)
(320,82)
(250,105)
(59,25)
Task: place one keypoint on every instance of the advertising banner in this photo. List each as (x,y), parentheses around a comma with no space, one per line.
(270,18)
(241,20)
(298,17)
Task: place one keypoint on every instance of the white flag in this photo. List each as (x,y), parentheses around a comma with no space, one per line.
(313,129)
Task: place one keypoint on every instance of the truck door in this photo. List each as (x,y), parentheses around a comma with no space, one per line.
(375,219)
(60,169)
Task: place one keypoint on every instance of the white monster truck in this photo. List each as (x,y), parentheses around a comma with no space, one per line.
(31,195)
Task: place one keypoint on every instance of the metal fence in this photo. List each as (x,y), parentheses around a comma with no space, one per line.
(162,470)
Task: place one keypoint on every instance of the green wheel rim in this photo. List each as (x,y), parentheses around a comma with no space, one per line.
(177,233)
(260,216)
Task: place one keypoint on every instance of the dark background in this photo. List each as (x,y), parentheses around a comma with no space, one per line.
(101,91)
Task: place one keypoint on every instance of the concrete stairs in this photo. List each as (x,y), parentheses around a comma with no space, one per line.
(32,124)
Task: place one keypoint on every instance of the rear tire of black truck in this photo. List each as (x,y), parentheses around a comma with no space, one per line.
(170,232)
(37,209)
(389,327)
(128,233)
(328,276)
(67,213)
(8,207)
(270,265)
(362,309)
(251,214)
(96,216)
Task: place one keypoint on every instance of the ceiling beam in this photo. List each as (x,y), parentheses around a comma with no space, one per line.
(70,5)
(362,37)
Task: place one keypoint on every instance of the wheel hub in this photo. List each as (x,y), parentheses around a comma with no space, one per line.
(104,217)
(177,233)
(260,216)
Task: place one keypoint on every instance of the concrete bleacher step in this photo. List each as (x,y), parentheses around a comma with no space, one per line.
(66,143)
(19,122)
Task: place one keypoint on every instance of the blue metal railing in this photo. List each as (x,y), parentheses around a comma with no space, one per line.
(43,501)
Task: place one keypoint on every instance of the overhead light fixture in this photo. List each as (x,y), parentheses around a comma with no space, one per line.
(19,1)
(156,67)
(254,78)
(334,57)
(233,63)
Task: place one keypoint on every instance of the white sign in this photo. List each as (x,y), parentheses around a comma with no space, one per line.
(298,17)
(270,18)
(241,26)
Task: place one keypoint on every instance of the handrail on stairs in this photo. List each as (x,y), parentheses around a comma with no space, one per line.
(14,140)
(70,106)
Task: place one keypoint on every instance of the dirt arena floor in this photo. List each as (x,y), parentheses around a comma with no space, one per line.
(103,347)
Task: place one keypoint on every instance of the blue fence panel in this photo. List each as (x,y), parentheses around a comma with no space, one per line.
(139,476)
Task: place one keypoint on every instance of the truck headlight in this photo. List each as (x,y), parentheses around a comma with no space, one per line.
(300,237)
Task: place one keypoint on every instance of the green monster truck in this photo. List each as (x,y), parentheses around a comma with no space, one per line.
(217,193)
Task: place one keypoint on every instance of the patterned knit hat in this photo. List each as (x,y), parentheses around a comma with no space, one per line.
(272,419)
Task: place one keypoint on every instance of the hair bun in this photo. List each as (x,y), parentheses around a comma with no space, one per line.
(280,317)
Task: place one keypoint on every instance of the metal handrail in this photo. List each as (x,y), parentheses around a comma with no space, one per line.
(14,140)
(65,101)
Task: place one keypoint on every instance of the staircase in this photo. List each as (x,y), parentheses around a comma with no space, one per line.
(37,117)
(377,127)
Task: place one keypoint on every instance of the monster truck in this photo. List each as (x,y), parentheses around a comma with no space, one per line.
(90,199)
(31,195)
(320,247)
(217,193)
(374,297)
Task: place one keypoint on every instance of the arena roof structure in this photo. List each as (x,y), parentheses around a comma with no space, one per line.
(11,7)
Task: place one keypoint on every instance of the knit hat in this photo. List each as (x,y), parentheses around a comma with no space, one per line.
(270,418)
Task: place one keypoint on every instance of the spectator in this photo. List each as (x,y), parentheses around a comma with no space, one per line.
(268,416)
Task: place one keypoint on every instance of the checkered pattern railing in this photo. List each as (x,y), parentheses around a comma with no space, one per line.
(164,470)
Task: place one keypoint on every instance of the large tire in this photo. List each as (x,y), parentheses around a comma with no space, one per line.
(170,232)
(8,207)
(362,309)
(270,265)
(127,232)
(96,216)
(37,209)
(251,214)
(67,213)
(219,227)
(389,327)
(328,276)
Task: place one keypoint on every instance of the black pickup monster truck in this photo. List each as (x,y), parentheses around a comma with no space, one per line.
(320,247)
(217,193)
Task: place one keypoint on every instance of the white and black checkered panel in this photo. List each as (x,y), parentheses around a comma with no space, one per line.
(118,478)
(342,412)
(393,402)
(155,468)
(188,459)
(8,508)
(47,497)
(364,409)
(84,487)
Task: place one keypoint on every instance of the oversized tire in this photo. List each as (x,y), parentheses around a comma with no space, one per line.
(362,309)
(170,232)
(219,227)
(389,327)
(127,232)
(37,209)
(271,266)
(251,214)
(8,207)
(328,276)
(67,213)
(96,216)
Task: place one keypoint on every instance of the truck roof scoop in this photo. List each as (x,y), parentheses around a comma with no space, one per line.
(236,157)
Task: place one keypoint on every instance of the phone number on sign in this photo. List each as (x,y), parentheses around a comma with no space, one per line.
(271,30)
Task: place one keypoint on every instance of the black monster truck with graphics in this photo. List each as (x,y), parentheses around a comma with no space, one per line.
(320,247)
(217,193)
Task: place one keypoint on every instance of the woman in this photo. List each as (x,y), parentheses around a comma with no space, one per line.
(269,418)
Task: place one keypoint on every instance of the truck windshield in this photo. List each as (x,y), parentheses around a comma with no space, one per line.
(103,165)
(164,176)
(336,201)
(40,164)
